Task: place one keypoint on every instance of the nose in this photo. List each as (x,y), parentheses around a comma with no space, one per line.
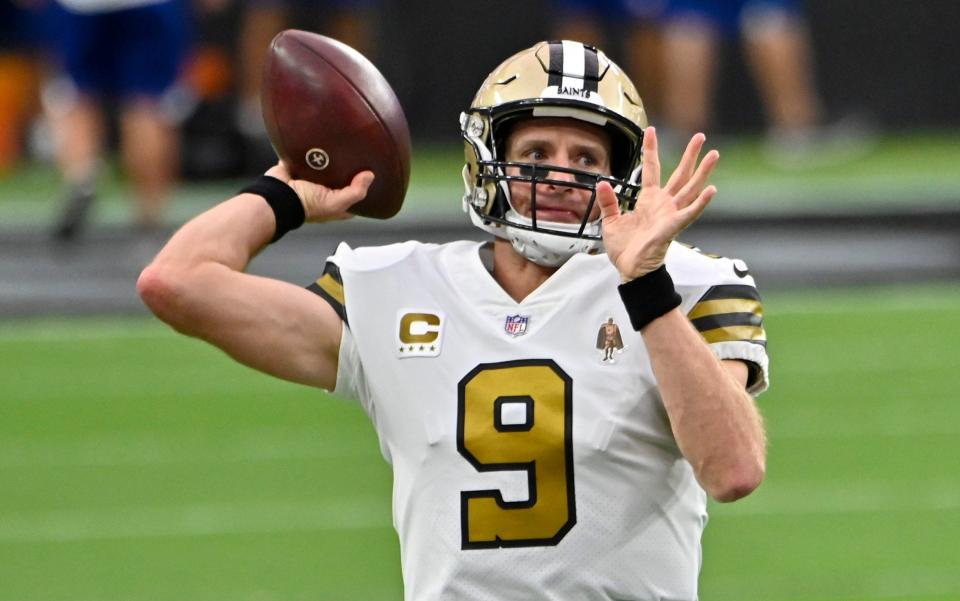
(561,176)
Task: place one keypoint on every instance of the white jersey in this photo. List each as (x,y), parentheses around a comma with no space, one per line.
(531,452)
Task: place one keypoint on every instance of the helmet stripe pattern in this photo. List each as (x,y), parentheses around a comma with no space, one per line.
(591,69)
(573,65)
(555,69)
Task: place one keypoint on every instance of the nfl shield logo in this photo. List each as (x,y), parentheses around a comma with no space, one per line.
(516,325)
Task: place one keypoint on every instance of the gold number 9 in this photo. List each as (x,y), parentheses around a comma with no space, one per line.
(517,416)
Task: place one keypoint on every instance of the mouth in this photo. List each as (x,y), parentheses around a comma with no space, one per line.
(557,213)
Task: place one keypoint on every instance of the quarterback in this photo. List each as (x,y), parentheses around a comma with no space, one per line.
(556,403)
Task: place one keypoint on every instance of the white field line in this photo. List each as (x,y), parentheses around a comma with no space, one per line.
(795,499)
(80,331)
(906,417)
(897,300)
(848,431)
(901,362)
(193,520)
(908,583)
(915,582)
(279,444)
(854,496)
(151,449)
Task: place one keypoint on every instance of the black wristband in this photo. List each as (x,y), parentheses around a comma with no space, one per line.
(286,205)
(649,296)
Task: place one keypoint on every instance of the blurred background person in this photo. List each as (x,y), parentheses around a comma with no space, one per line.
(21,24)
(352,22)
(596,22)
(125,55)
(779,53)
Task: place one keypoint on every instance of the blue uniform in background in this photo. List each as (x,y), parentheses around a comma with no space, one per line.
(127,51)
(724,16)
(324,4)
(613,9)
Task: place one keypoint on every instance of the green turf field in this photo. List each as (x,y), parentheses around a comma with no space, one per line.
(137,465)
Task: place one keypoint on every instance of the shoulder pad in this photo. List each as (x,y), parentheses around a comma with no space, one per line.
(689,266)
(373,258)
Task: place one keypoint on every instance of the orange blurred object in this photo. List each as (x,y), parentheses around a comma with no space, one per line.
(19,83)
(210,73)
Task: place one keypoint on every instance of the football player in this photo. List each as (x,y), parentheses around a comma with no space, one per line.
(525,466)
(130,51)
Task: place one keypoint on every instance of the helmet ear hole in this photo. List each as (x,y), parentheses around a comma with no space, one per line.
(502,129)
(621,150)
(501,200)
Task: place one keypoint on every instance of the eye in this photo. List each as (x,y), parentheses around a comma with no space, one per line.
(535,154)
(587,160)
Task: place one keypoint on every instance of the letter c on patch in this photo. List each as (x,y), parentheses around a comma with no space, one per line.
(419,328)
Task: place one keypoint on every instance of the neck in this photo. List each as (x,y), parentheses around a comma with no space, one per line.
(517,275)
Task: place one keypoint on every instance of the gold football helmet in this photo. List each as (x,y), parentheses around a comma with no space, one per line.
(551,79)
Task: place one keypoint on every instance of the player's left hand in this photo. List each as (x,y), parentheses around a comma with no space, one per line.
(637,242)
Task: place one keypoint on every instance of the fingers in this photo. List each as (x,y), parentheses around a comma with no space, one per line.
(693,188)
(323,204)
(340,201)
(688,162)
(357,190)
(650,177)
(280,172)
(607,201)
(693,211)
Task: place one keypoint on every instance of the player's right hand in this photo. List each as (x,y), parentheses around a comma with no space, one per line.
(320,203)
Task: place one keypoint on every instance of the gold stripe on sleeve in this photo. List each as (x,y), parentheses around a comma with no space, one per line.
(726,305)
(735,333)
(331,286)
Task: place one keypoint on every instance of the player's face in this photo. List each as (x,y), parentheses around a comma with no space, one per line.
(563,143)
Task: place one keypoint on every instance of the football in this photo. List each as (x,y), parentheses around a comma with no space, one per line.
(331,114)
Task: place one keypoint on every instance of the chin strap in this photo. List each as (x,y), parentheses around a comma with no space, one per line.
(548,250)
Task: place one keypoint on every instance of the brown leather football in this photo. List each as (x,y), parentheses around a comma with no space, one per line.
(331,114)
